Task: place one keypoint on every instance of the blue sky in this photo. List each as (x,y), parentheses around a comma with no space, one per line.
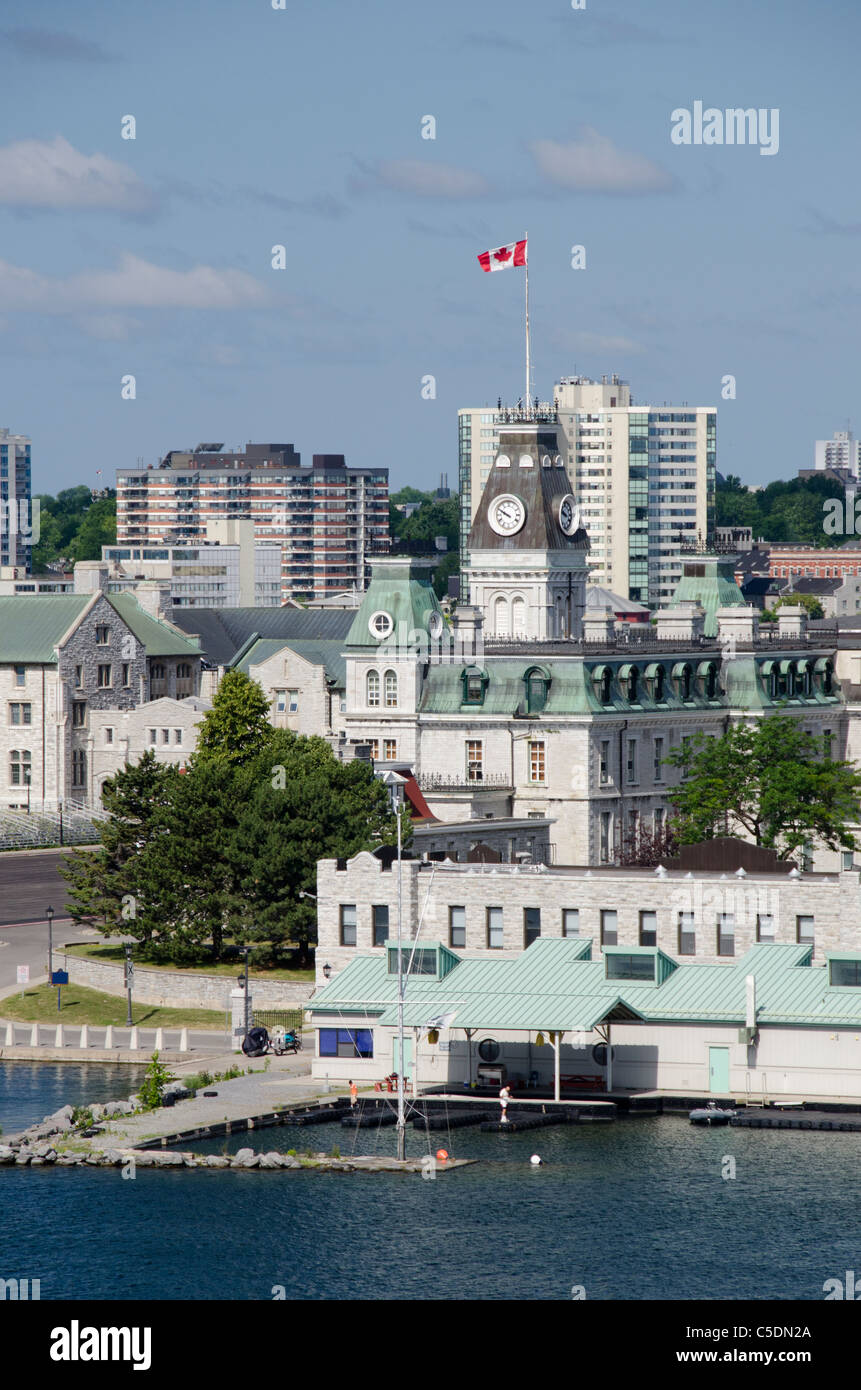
(302,127)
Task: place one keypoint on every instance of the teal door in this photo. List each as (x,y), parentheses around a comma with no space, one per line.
(719,1071)
(408,1057)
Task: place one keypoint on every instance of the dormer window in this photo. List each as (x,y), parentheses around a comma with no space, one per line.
(629,679)
(474,685)
(537,685)
(684,677)
(825,673)
(655,679)
(602,677)
(708,680)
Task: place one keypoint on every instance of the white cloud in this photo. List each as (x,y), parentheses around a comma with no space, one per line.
(136,284)
(593,164)
(430,180)
(53,174)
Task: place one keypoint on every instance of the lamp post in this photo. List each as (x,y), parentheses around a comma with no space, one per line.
(130,979)
(243,980)
(60,809)
(395,783)
(49,913)
(327,972)
(27,784)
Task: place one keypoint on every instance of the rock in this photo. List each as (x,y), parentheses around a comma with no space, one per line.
(216,1161)
(243,1153)
(245,1158)
(7,1153)
(270,1160)
(191,1161)
(167,1159)
(61,1119)
(143,1160)
(97,1112)
(68,1160)
(42,1149)
(288,1161)
(117,1107)
(178,1089)
(23,1156)
(36,1162)
(113,1157)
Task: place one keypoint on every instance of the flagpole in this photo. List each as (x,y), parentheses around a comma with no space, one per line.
(528,371)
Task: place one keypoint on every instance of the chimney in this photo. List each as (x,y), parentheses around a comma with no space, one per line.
(684,623)
(791,622)
(91,577)
(153,596)
(599,627)
(737,625)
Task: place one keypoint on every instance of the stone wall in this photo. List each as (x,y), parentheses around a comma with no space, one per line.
(832,900)
(183,991)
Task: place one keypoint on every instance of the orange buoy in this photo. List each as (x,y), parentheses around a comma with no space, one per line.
(441,1155)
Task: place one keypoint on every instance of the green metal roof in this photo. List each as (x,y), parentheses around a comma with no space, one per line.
(32,625)
(715,589)
(401,588)
(554,985)
(324,652)
(159,638)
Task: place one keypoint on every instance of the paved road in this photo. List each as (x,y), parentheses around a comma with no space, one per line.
(29,882)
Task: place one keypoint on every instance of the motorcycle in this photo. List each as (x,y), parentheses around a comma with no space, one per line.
(286,1040)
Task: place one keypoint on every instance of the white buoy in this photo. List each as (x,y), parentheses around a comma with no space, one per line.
(536,1160)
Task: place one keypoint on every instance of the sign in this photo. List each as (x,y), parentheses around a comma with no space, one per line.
(23,974)
(60,977)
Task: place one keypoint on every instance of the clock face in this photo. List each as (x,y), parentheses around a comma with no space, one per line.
(569,515)
(507,514)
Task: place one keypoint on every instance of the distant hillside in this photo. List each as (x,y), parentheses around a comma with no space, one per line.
(790,511)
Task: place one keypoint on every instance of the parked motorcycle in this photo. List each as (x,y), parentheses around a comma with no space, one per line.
(286,1040)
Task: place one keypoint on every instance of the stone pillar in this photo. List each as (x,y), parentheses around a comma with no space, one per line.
(159,1040)
(85,1036)
(183,1040)
(34,1035)
(109,1036)
(58,1036)
(237,1015)
(133,1040)
(10,1035)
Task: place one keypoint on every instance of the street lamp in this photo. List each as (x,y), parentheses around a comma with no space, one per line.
(243,982)
(49,913)
(327,970)
(130,979)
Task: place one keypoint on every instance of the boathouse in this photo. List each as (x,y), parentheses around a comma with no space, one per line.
(773,1023)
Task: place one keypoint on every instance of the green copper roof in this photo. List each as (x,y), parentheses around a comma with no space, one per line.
(32,625)
(402,589)
(159,638)
(554,985)
(715,588)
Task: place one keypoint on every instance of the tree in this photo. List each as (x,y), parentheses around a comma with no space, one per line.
(106,887)
(237,727)
(809,601)
(769,781)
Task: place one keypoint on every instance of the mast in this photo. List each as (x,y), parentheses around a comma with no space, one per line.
(528,397)
(402,1122)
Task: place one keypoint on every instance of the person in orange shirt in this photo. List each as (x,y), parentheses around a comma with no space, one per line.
(354,1093)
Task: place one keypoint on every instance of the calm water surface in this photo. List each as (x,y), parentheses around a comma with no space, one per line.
(632,1210)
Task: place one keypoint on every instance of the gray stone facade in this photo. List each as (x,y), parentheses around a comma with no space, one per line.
(186,991)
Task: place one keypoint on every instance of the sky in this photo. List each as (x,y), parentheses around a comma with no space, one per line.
(301,127)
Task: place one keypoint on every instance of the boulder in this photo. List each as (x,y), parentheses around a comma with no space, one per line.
(97,1112)
(270,1160)
(69,1160)
(62,1118)
(167,1159)
(245,1158)
(143,1160)
(7,1153)
(113,1157)
(177,1089)
(288,1161)
(216,1161)
(23,1156)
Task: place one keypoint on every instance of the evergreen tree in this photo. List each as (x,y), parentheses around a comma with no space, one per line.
(237,727)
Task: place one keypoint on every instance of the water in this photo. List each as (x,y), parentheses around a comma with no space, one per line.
(31,1090)
(635,1209)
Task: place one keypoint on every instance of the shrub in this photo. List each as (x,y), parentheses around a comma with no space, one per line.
(156,1078)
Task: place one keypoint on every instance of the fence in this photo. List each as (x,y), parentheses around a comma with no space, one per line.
(278,1018)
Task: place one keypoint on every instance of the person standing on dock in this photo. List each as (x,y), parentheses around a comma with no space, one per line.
(354,1095)
(504,1098)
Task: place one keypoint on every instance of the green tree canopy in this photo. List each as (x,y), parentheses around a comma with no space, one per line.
(237,727)
(809,601)
(769,781)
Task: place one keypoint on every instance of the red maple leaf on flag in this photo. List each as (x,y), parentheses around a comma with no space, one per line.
(503,254)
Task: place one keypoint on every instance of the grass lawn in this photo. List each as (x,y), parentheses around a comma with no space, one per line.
(82,1005)
(115,955)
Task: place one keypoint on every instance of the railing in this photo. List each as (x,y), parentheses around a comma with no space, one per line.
(435,781)
(278,1018)
(650,642)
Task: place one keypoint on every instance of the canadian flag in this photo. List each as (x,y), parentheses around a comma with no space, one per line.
(504,256)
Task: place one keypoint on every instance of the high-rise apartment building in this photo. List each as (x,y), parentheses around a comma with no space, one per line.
(329,519)
(644,477)
(16,535)
(843,451)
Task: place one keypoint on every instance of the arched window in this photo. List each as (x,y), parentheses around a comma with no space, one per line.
(602,679)
(629,679)
(518,616)
(500,617)
(391,688)
(373,687)
(183,671)
(537,685)
(157,671)
(655,678)
(684,677)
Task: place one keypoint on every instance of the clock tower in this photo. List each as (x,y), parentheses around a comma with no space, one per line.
(528,550)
